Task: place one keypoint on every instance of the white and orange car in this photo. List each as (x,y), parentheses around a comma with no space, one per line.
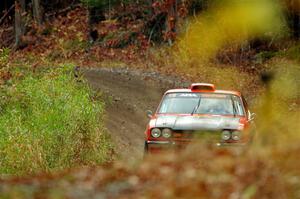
(184,114)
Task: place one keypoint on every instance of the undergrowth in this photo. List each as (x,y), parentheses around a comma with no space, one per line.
(49,121)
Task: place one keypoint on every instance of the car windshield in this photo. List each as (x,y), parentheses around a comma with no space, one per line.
(201,103)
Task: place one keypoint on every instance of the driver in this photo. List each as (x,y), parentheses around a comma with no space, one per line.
(217,108)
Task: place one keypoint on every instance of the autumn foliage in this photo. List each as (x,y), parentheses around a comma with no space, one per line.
(211,44)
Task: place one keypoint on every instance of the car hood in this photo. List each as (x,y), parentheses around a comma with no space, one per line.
(196,122)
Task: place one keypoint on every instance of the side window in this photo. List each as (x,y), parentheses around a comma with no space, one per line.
(246,107)
(238,105)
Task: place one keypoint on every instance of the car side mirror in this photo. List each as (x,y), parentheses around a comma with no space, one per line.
(252,117)
(149,113)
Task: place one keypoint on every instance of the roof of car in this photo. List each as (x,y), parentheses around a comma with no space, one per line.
(215,91)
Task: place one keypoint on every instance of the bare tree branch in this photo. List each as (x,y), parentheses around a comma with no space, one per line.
(6,14)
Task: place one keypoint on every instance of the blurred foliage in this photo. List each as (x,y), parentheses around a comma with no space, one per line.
(292,52)
(278,107)
(228,23)
(263,56)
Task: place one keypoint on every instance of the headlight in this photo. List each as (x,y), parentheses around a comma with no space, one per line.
(226,135)
(236,135)
(155,132)
(166,133)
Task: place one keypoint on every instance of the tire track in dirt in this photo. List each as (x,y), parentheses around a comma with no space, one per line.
(128,94)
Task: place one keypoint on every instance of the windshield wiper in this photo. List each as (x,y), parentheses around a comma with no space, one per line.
(196,107)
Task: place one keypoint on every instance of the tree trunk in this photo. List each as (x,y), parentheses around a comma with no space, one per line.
(95,15)
(23,5)
(19,22)
(91,21)
(171,21)
(37,11)
(293,17)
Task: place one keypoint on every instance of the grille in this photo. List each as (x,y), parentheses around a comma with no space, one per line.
(213,135)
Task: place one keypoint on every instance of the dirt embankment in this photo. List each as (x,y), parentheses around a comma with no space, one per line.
(128,94)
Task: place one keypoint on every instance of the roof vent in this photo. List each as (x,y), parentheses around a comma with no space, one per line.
(202,87)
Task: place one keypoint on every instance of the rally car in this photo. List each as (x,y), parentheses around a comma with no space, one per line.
(186,114)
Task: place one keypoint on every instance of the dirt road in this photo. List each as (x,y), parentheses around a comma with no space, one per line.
(128,94)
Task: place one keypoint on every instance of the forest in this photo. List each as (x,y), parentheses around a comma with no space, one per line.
(77,76)
(160,18)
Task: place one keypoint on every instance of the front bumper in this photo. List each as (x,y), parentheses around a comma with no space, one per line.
(156,146)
